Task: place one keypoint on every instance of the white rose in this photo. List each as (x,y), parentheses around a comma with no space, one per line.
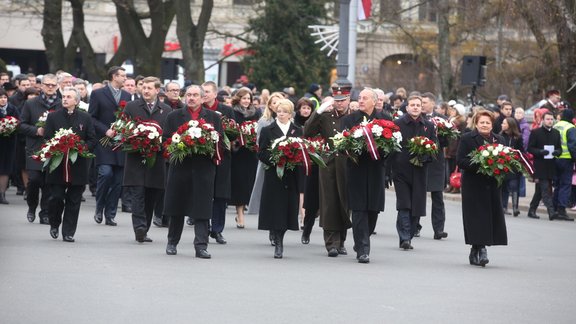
(215,136)
(490,148)
(495,153)
(427,146)
(195,132)
(485,153)
(358,133)
(506,150)
(397,136)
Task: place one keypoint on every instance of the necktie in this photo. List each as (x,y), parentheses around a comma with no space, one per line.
(150,107)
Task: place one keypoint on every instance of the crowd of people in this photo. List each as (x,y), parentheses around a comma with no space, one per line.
(346,193)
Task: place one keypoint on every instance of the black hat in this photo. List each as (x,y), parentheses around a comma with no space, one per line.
(341,90)
(9,86)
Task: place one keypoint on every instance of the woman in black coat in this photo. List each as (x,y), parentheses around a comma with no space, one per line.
(7,146)
(512,138)
(279,201)
(244,161)
(482,212)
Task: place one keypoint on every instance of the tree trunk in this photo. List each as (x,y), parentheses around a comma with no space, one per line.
(52,34)
(191,38)
(88,58)
(444,47)
(566,37)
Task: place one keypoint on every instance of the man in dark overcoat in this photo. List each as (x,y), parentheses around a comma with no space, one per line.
(145,183)
(539,144)
(32,110)
(436,173)
(190,185)
(334,213)
(364,179)
(66,188)
(410,180)
(104,103)
(222,187)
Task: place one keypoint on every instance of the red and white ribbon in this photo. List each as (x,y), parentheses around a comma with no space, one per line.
(370,144)
(67,175)
(241,139)
(306,159)
(217,153)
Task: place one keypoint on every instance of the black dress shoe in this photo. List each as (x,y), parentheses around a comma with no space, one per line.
(190,221)
(83,199)
(68,238)
(305,239)
(405,245)
(440,235)
(157,221)
(54,232)
(219,238)
(126,209)
(203,254)
(111,222)
(98,217)
(171,249)
(342,250)
(483,257)
(363,258)
(19,192)
(333,252)
(417,233)
(31,216)
(473,257)
(564,217)
(44,220)
(147,239)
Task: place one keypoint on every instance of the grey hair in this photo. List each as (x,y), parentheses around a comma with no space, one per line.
(78,96)
(374,94)
(63,75)
(80,81)
(196,86)
(49,76)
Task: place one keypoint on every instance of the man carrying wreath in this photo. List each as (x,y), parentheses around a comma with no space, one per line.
(364,179)
(146,182)
(66,191)
(190,183)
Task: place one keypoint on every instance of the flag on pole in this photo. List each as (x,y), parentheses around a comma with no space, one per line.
(364,9)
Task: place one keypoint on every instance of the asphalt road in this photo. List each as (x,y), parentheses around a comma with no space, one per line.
(107,277)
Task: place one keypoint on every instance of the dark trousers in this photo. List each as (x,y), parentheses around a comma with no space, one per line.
(127,196)
(108,189)
(159,208)
(511,185)
(65,201)
(334,239)
(309,220)
(93,177)
(200,231)
(406,225)
(143,201)
(363,224)
(543,192)
(37,182)
(218,215)
(563,183)
(438,214)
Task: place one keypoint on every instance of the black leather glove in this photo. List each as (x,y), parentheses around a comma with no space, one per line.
(544,152)
(388,182)
(424,158)
(557,153)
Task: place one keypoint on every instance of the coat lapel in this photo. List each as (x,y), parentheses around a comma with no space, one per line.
(108,94)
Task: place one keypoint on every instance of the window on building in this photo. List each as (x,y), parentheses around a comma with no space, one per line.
(390,10)
(428,11)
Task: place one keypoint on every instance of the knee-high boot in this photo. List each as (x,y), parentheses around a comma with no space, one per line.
(515,199)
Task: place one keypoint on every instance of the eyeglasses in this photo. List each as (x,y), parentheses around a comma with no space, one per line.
(173,90)
(50,85)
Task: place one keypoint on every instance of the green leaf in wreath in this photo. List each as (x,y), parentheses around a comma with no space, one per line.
(151,161)
(55,162)
(280,171)
(73,156)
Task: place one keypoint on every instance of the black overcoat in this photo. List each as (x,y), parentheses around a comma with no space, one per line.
(410,180)
(482,213)
(365,178)
(436,173)
(8,143)
(81,123)
(32,110)
(137,173)
(223,183)
(543,168)
(102,108)
(243,169)
(334,214)
(190,184)
(280,197)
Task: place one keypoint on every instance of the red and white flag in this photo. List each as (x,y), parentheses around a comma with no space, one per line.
(364,9)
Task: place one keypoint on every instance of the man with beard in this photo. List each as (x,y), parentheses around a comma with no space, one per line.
(32,111)
(334,214)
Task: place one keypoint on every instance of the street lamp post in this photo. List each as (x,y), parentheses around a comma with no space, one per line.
(342,62)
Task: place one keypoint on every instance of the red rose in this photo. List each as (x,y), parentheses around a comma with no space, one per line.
(346,133)
(497,171)
(506,169)
(490,161)
(122,103)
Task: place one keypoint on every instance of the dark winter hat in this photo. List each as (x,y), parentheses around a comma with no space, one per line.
(9,86)
(313,87)
(567,115)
